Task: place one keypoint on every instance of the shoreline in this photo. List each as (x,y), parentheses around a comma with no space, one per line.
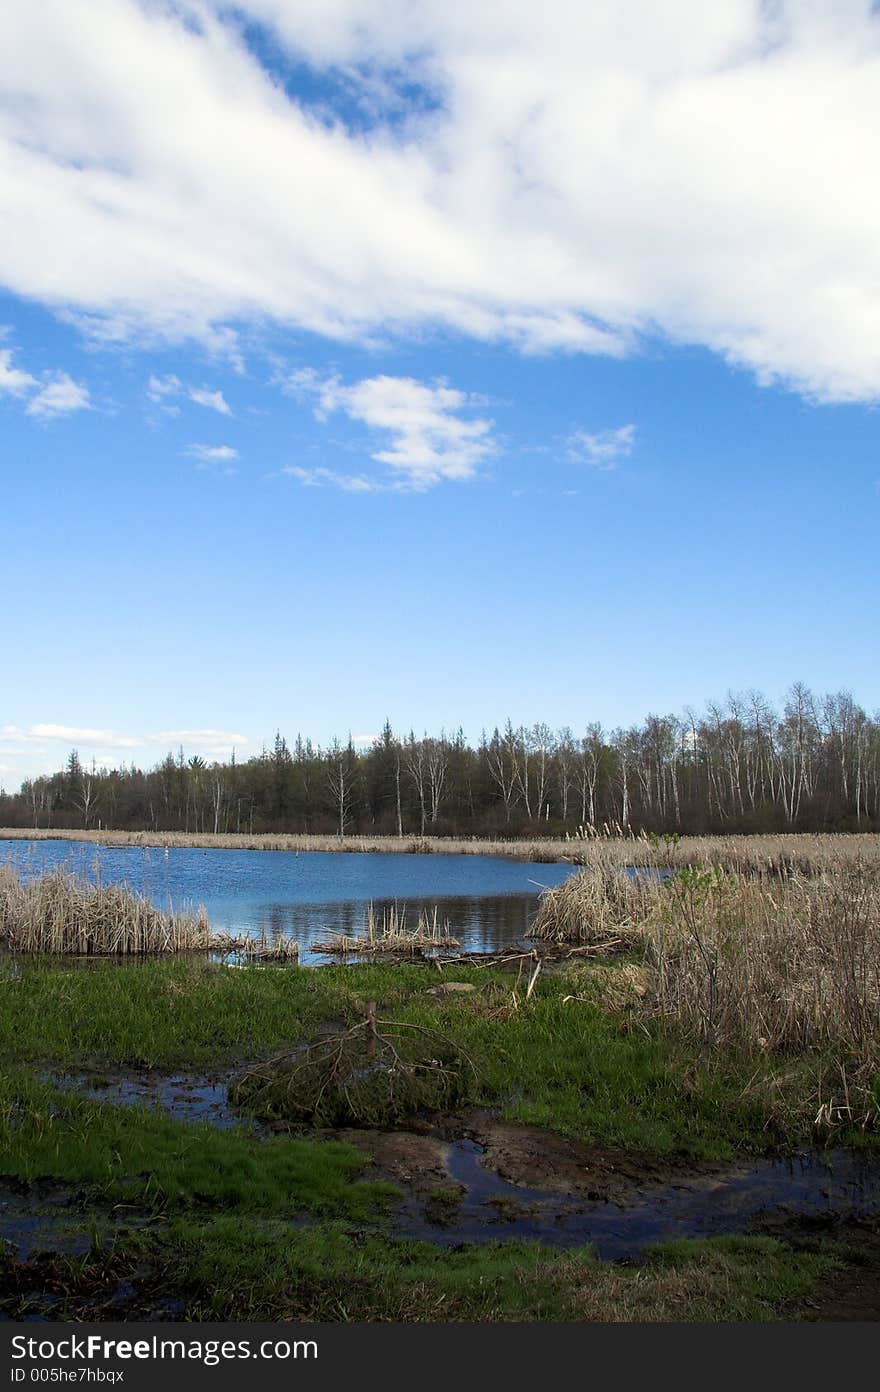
(806,851)
(526,850)
(671,849)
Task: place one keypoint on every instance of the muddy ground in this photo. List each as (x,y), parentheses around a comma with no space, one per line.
(522,1156)
(472,1177)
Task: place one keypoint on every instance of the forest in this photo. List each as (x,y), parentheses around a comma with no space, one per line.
(737,766)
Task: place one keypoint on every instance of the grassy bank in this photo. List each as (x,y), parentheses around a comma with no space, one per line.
(582,1056)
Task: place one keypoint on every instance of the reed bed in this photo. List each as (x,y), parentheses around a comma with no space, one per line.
(390,935)
(769,855)
(772,967)
(602,906)
(750,965)
(531,848)
(61,913)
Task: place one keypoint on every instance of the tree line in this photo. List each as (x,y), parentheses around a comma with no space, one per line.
(737,766)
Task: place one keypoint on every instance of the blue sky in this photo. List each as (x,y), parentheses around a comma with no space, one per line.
(366,361)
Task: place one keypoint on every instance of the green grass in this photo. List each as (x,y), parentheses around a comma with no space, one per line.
(286,1228)
(235,1268)
(158,1014)
(135,1156)
(257,1272)
(598,1075)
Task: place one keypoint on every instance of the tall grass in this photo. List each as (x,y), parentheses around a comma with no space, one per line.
(750,965)
(61,913)
(787,966)
(600,907)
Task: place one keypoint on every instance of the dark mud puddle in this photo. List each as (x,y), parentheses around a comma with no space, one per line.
(47,1219)
(835,1185)
(183,1096)
(47,1216)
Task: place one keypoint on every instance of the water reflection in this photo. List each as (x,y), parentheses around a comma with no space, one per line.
(488,902)
(483,923)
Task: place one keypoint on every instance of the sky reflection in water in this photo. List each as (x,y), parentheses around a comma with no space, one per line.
(489,902)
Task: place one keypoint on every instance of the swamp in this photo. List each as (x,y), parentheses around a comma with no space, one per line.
(652,1092)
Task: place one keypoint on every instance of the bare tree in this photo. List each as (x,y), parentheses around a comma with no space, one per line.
(341,778)
(501,760)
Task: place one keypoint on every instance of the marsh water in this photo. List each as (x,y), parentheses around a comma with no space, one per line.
(813,1186)
(489,902)
(814,1189)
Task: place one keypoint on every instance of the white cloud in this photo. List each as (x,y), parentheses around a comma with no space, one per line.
(212,454)
(15,735)
(32,751)
(320,477)
(56,394)
(427,439)
(582,175)
(214,400)
(69,734)
(12,379)
(59,397)
(603,450)
(160,388)
(78,734)
(163,390)
(214,744)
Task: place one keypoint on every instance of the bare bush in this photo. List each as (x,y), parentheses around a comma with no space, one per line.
(375,1074)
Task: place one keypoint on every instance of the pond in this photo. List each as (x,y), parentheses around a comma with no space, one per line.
(489,902)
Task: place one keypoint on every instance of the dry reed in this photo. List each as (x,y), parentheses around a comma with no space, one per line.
(62,914)
(751,965)
(792,965)
(249,949)
(390,935)
(597,907)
